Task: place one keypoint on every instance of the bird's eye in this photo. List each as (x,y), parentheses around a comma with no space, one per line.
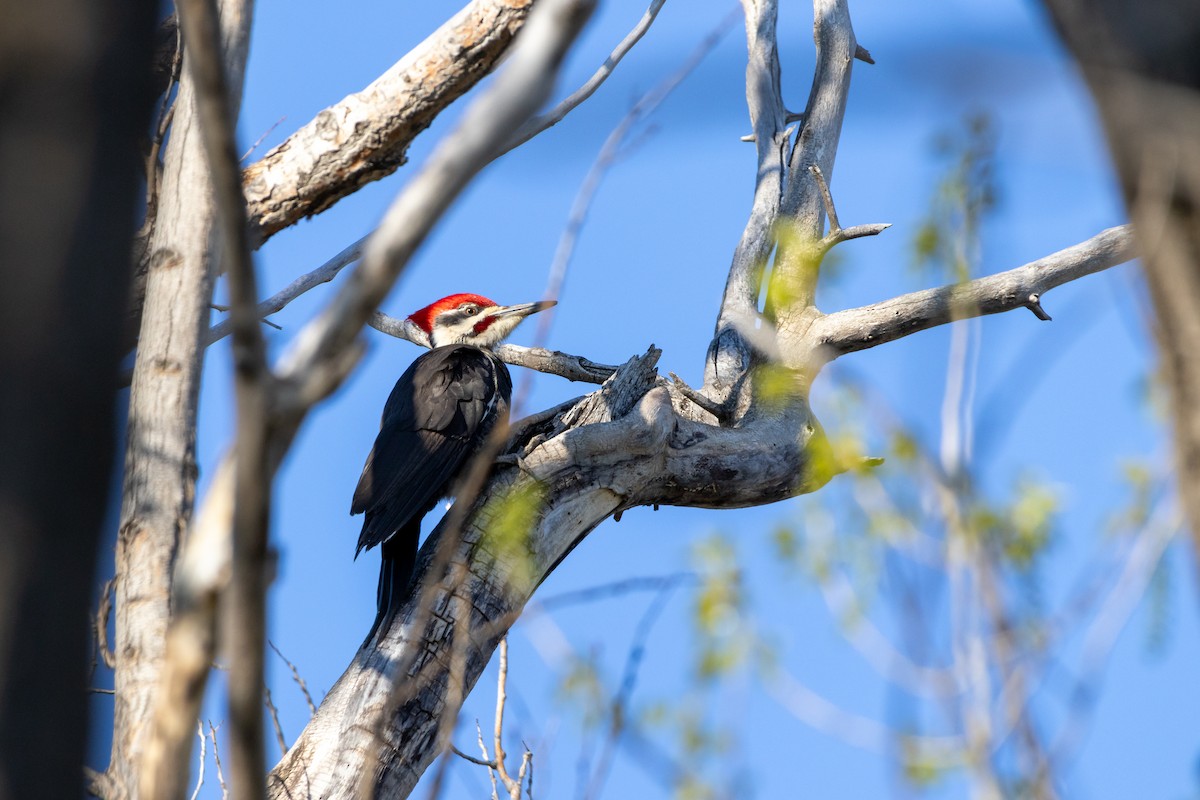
(470,310)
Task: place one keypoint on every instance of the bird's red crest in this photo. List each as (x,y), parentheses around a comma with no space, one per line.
(424,317)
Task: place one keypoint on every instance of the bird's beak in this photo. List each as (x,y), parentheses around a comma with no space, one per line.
(524,309)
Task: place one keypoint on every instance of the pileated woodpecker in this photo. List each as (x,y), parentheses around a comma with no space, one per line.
(437,417)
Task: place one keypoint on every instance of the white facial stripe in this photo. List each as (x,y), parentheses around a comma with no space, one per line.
(453,328)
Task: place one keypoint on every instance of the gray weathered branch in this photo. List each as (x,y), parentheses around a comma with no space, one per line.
(729,355)
(630,449)
(797,266)
(860,328)
(310,280)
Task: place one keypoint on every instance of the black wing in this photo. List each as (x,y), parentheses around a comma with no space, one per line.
(436,417)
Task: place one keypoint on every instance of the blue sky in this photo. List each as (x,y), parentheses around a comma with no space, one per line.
(649,268)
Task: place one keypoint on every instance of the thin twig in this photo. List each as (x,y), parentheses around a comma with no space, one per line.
(270,704)
(837,234)
(312,708)
(212,732)
(472,759)
(260,139)
(614,146)
(498,731)
(310,280)
(200,769)
(652,583)
(491,763)
(526,769)
(555,115)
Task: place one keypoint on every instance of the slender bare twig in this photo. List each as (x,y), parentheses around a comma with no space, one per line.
(555,115)
(483,762)
(278,301)
(202,759)
(274,712)
(613,148)
(259,140)
(312,708)
(837,234)
(491,764)
(498,730)
(526,770)
(652,583)
(212,733)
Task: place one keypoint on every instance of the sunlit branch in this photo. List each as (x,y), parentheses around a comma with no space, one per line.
(869,326)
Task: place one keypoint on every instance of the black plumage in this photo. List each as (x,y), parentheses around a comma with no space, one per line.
(437,417)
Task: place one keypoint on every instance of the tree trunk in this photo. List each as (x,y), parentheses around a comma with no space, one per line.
(160,467)
(74,101)
(1142,64)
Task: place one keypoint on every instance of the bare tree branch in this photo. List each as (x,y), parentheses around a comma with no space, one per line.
(366,136)
(729,355)
(278,301)
(556,115)
(793,285)
(860,328)
(246,633)
(212,732)
(312,708)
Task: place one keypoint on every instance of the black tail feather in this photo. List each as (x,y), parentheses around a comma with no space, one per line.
(399,554)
